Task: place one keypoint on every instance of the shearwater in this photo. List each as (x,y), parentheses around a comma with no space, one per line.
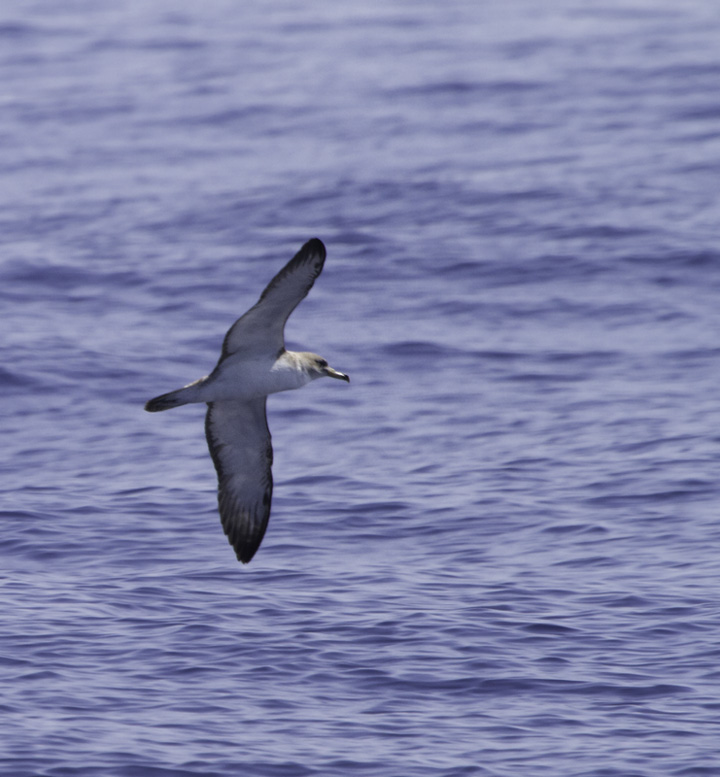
(253,364)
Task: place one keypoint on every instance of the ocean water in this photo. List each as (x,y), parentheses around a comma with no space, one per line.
(497,551)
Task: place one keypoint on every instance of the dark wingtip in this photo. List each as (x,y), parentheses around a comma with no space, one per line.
(315,246)
(245,546)
(243,552)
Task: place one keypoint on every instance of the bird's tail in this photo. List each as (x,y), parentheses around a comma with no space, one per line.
(166,401)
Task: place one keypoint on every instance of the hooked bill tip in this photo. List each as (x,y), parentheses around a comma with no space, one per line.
(331,373)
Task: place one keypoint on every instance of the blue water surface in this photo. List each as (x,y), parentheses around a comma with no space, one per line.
(497,551)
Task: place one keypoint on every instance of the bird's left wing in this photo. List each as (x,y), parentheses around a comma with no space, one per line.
(239,441)
(261,328)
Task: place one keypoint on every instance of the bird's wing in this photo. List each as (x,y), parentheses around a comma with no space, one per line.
(239,442)
(261,328)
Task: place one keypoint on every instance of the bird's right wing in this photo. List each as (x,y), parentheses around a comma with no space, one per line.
(239,441)
(262,327)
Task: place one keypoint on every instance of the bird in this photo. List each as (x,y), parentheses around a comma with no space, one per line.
(253,364)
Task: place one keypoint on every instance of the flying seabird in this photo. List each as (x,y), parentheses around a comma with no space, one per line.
(253,364)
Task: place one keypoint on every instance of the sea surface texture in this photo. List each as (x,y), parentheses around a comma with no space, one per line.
(496,552)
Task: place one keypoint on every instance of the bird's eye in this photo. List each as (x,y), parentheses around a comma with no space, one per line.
(322,363)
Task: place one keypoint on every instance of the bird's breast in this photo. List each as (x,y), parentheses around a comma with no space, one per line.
(247,379)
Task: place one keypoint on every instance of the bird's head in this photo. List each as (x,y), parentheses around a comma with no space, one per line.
(319,368)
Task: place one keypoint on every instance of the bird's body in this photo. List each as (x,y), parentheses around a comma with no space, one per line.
(253,364)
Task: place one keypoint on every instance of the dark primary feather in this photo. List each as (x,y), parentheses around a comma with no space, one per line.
(263,325)
(240,445)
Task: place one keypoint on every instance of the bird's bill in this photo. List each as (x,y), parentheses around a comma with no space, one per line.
(331,373)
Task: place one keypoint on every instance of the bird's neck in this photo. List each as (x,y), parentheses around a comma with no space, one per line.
(289,372)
